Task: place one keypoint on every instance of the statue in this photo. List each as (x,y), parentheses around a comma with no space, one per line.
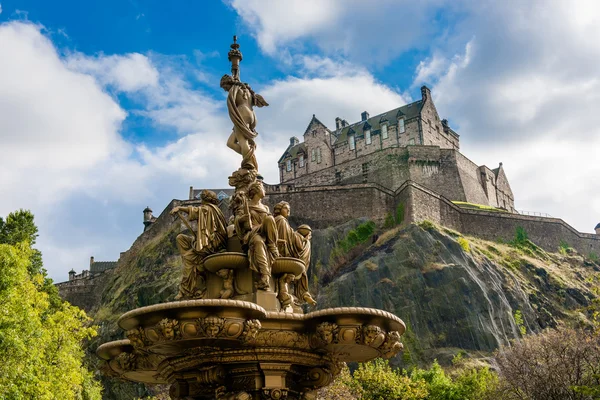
(240,100)
(294,244)
(227,291)
(255,227)
(284,296)
(210,238)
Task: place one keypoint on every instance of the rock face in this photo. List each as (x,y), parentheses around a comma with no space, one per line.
(454,293)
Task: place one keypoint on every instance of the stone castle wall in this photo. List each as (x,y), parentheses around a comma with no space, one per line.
(446,171)
(325,206)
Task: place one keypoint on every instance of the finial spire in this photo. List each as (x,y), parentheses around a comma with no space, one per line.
(235,56)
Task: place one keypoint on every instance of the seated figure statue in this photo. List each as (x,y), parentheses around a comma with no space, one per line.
(255,226)
(295,244)
(210,238)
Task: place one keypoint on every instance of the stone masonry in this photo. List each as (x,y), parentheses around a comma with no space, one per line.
(407,143)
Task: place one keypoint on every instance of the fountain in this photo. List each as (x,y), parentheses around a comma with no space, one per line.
(238,329)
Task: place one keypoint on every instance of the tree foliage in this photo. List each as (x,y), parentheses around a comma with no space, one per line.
(376,380)
(40,336)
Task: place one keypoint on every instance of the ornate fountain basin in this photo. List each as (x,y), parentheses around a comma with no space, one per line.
(227,260)
(197,345)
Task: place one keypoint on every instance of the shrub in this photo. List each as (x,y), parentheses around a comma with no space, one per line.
(427,225)
(521,237)
(377,381)
(520,323)
(400,213)
(464,243)
(554,365)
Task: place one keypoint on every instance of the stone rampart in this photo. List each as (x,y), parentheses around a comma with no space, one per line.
(323,206)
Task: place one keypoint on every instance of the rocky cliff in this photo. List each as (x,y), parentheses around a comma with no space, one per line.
(456,294)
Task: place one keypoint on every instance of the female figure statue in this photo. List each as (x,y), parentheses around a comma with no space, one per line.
(210,238)
(240,100)
(294,244)
(255,226)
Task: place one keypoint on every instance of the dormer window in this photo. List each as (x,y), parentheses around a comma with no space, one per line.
(351,142)
(301,160)
(384,131)
(401,128)
(313,155)
(288,165)
(368,136)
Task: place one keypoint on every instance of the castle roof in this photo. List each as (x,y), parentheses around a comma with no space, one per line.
(407,111)
(597,226)
(293,151)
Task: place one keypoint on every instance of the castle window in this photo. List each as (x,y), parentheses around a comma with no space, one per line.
(365,172)
(288,165)
(318,155)
(313,155)
(401,128)
(368,136)
(351,142)
(338,177)
(384,132)
(411,141)
(301,160)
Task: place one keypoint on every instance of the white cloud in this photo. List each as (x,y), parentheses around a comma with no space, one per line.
(128,73)
(376,31)
(0,8)
(525,91)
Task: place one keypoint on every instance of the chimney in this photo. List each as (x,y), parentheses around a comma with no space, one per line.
(425,93)
(344,123)
(338,123)
(191,193)
(294,141)
(364,116)
(445,125)
(91,261)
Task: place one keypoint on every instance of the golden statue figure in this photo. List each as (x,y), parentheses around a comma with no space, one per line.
(240,102)
(295,244)
(255,226)
(210,238)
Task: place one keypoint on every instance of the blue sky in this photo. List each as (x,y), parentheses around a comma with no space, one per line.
(106,107)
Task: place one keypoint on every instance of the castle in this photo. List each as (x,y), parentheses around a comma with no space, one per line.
(404,164)
(409,143)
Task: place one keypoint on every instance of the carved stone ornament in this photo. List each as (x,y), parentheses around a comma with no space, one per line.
(327,333)
(212,326)
(169,329)
(392,345)
(251,328)
(137,337)
(274,394)
(373,336)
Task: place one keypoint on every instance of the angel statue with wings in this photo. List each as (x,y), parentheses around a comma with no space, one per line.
(240,102)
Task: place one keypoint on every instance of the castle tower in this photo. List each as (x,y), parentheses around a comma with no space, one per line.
(72,274)
(597,229)
(148,218)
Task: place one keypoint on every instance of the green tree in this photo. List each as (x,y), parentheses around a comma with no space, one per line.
(40,342)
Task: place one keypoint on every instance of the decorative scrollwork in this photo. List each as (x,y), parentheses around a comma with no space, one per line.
(274,394)
(222,394)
